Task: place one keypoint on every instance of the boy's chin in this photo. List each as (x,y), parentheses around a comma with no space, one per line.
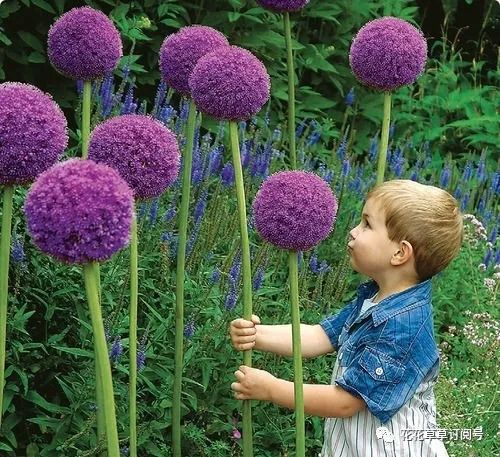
(353,265)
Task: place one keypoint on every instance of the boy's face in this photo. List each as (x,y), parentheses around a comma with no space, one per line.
(369,247)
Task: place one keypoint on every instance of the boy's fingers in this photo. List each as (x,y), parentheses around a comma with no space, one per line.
(244,346)
(242,323)
(239,375)
(255,319)
(245,332)
(246,339)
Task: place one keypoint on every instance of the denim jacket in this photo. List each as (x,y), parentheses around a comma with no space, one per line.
(389,350)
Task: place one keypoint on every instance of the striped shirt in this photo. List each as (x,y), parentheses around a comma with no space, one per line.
(357,436)
(387,356)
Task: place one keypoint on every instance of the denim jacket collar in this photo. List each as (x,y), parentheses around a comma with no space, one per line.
(393,304)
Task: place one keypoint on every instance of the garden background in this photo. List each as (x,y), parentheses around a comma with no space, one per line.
(444,131)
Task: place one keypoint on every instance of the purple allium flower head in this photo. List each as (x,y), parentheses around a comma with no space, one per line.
(294,210)
(84,44)
(33,133)
(181,50)
(283,5)
(388,53)
(230,83)
(142,149)
(79,211)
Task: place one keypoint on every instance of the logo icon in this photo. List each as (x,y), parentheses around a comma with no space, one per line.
(385,434)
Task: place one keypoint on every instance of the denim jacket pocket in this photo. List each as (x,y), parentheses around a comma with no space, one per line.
(380,366)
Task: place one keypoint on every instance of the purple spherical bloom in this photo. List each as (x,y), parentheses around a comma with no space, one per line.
(388,53)
(283,5)
(230,83)
(180,52)
(84,44)
(33,133)
(142,149)
(294,210)
(79,211)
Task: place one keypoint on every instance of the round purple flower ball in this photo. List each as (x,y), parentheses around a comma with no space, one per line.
(388,53)
(230,83)
(33,133)
(294,210)
(141,149)
(283,5)
(79,211)
(181,50)
(84,44)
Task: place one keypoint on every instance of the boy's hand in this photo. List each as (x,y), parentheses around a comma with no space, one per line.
(253,384)
(243,333)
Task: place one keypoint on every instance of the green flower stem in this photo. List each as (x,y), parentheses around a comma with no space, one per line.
(179,286)
(101,425)
(5,235)
(247,276)
(297,356)
(101,421)
(87,92)
(134,291)
(89,273)
(291,91)
(384,141)
(99,393)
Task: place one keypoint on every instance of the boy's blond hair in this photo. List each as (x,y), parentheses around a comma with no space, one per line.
(425,216)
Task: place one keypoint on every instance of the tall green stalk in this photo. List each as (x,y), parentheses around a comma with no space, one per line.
(86,102)
(179,286)
(384,141)
(90,275)
(134,291)
(99,399)
(291,90)
(5,235)
(247,276)
(300,450)
(87,92)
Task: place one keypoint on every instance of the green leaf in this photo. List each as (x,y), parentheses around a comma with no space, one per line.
(163,10)
(32,450)
(5,39)
(233,16)
(7,8)
(60,6)
(24,379)
(473,123)
(45,423)
(37,399)
(171,23)
(67,390)
(120,12)
(76,351)
(36,57)
(31,40)
(44,6)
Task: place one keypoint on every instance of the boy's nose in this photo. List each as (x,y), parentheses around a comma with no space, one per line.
(353,232)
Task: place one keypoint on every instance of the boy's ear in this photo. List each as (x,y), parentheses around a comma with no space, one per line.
(403,254)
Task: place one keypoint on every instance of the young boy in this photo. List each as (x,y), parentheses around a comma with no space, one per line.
(381,400)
